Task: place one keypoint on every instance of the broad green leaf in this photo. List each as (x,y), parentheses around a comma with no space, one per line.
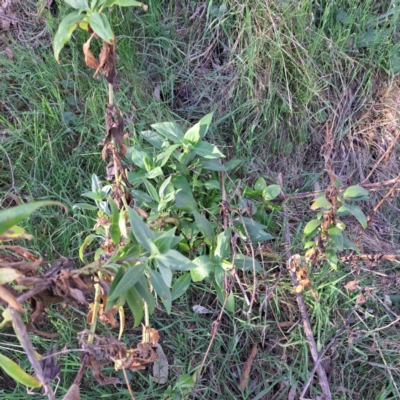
(152,191)
(163,157)
(247,263)
(142,197)
(78,4)
(138,157)
(164,186)
(96,183)
(169,130)
(260,184)
(14,215)
(204,226)
(174,260)
(180,286)
(219,275)
(355,191)
(254,229)
(8,275)
(348,244)
(84,206)
(125,3)
(337,237)
(154,173)
(161,289)
(143,234)
(166,274)
(312,226)
(207,150)
(88,240)
(96,196)
(143,288)
(357,212)
(230,303)
(135,303)
(204,266)
(321,202)
(167,240)
(13,370)
(114,229)
(199,130)
(154,138)
(64,31)
(117,279)
(212,185)
(185,201)
(131,276)
(14,233)
(100,25)
(232,164)
(223,249)
(212,165)
(271,192)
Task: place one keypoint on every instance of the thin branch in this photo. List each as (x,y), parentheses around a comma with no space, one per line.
(323,380)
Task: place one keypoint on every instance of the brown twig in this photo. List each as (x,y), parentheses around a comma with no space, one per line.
(323,380)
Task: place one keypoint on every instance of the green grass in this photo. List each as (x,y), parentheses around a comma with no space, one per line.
(274,73)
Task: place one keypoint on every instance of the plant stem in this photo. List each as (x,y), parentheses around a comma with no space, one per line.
(146,335)
(96,308)
(110,94)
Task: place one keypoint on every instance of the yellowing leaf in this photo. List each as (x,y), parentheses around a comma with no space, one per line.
(13,370)
(8,275)
(14,233)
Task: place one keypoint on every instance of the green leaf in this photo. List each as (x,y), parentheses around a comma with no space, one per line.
(114,229)
(161,289)
(260,184)
(321,202)
(348,244)
(88,240)
(166,274)
(64,31)
(8,275)
(232,164)
(203,269)
(212,165)
(14,215)
(199,130)
(143,234)
(84,206)
(154,138)
(154,173)
(125,3)
(163,157)
(100,25)
(254,229)
(135,303)
(185,201)
(14,233)
(143,288)
(207,150)
(138,157)
(78,4)
(223,249)
(355,191)
(117,279)
(212,185)
(271,192)
(230,303)
(152,191)
(336,235)
(312,226)
(204,226)
(167,240)
(174,260)
(131,276)
(180,286)
(357,213)
(247,263)
(169,130)
(164,186)
(13,370)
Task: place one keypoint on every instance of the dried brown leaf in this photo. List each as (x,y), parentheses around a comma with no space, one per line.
(73,393)
(247,367)
(90,59)
(361,299)
(153,335)
(9,53)
(10,299)
(351,285)
(95,366)
(161,366)
(8,275)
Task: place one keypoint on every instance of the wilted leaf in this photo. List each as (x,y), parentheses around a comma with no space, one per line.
(361,299)
(247,367)
(8,275)
(17,373)
(49,366)
(160,367)
(351,285)
(95,367)
(10,299)
(14,233)
(198,309)
(73,393)
(90,59)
